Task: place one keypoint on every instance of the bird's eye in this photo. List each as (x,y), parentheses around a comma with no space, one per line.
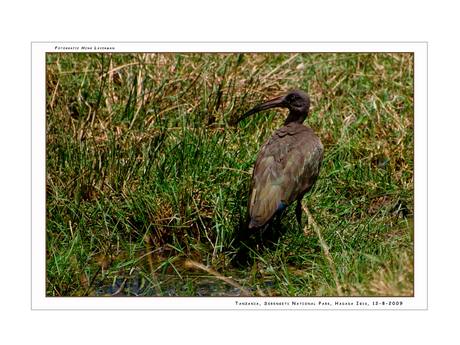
(293,97)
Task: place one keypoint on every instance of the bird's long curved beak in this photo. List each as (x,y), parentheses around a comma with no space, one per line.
(273,103)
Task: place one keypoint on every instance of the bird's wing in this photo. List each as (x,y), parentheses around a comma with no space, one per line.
(286,168)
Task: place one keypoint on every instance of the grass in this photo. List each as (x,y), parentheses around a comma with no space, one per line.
(146,173)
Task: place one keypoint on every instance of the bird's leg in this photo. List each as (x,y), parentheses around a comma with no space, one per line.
(262,229)
(298,213)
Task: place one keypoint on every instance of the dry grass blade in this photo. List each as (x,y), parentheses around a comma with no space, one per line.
(238,170)
(325,248)
(121,287)
(245,291)
(278,67)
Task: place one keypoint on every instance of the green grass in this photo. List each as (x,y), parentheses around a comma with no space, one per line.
(146,173)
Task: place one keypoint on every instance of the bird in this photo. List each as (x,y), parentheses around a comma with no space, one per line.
(287,165)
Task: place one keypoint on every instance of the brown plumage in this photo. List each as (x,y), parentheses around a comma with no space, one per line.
(287,165)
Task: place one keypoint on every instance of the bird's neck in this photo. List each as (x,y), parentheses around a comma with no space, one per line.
(295,117)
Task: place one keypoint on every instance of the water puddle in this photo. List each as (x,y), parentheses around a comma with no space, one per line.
(169,286)
(153,275)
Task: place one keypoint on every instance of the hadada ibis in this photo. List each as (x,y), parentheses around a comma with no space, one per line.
(287,165)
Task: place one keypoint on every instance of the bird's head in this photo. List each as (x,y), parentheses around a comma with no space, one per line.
(296,101)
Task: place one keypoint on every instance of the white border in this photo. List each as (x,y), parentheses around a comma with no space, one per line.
(39,299)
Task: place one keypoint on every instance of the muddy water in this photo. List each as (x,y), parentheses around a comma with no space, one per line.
(170,286)
(173,276)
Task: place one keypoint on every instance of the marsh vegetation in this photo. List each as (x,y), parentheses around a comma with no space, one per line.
(147,175)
